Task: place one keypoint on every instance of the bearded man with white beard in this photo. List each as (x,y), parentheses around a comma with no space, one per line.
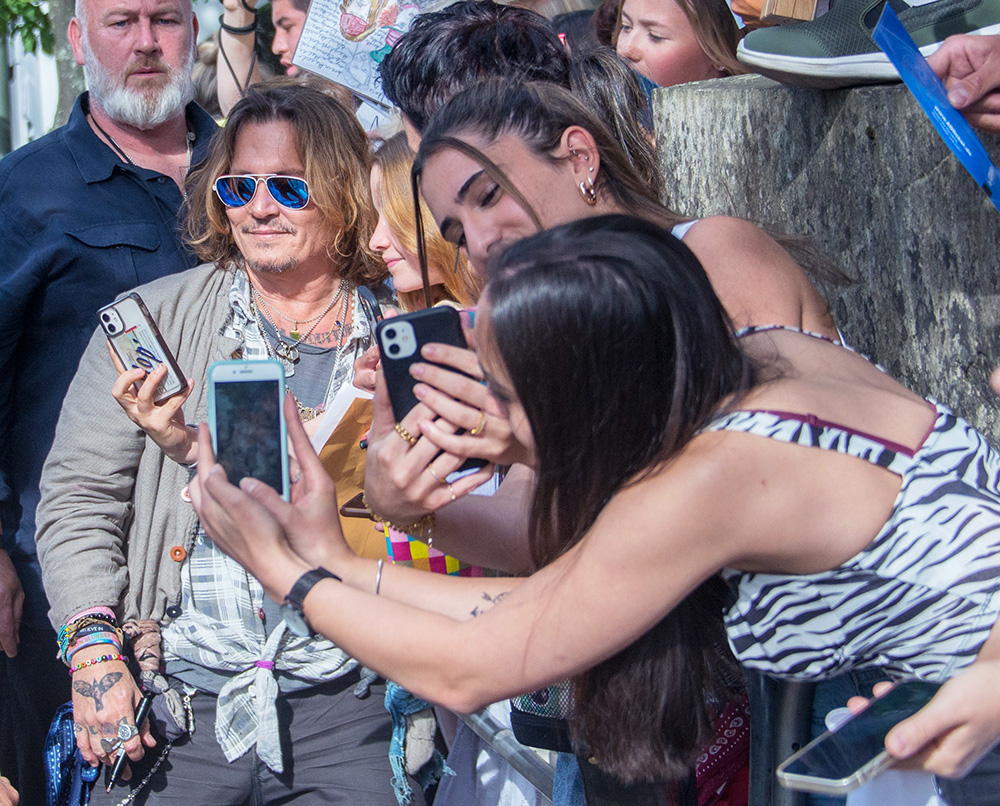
(88,212)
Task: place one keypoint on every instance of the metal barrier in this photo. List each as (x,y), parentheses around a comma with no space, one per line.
(780,723)
(538,772)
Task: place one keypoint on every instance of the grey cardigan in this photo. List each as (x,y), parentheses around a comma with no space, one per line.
(111,507)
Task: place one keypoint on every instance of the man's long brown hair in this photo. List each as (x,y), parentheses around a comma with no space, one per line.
(337,159)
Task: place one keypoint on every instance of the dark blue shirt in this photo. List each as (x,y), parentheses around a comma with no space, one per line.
(79,228)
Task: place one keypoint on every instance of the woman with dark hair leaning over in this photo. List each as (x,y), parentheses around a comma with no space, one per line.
(858,524)
(525,158)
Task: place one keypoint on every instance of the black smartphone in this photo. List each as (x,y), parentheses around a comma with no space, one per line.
(399,341)
(244,416)
(369,306)
(841,760)
(137,342)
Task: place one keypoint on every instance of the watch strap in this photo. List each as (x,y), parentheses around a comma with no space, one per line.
(305,583)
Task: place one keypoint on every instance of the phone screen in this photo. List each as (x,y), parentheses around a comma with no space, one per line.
(838,755)
(248,430)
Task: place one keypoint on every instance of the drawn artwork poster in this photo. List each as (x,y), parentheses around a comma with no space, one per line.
(346,40)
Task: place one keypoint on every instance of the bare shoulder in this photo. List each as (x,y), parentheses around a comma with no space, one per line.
(678,503)
(724,238)
(757,281)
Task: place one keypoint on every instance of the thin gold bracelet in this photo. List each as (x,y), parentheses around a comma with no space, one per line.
(423,528)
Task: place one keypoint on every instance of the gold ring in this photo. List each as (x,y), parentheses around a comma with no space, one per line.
(451,489)
(437,478)
(406,435)
(480,426)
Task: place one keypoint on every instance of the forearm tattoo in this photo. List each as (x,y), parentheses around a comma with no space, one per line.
(491,601)
(98,688)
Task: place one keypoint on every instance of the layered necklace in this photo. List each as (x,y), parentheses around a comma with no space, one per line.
(288,354)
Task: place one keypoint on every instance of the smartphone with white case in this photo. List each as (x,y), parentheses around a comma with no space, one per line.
(246,422)
(849,756)
(137,342)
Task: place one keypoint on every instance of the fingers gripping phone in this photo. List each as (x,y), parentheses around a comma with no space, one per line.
(399,341)
(244,417)
(137,342)
(841,760)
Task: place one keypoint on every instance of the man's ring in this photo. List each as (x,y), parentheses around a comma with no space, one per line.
(406,435)
(480,426)
(126,732)
(110,746)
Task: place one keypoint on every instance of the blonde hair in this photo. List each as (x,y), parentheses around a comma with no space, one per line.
(394,160)
(337,159)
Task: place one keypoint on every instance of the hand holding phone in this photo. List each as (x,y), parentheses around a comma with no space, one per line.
(399,341)
(136,340)
(841,760)
(244,418)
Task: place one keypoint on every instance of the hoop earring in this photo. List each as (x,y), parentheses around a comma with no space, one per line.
(588,191)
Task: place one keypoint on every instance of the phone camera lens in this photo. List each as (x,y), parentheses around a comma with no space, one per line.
(111,328)
(390,333)
(106,317)
(394,349)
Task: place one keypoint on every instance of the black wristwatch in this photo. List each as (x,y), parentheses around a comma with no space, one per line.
(291,608)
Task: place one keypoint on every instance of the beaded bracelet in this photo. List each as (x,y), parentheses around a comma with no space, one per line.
(422,528)
(95,661)
(68,632)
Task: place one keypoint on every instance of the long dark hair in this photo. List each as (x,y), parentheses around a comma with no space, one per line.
(620,353)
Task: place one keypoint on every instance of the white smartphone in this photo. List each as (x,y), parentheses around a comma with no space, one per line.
(841,760)
(245,418)
(137,342)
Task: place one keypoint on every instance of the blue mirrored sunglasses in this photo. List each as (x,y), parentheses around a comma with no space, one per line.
(237,190)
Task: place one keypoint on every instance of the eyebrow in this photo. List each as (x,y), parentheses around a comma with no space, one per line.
(464,190)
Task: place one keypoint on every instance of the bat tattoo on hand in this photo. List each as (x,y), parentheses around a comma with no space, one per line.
(97,688)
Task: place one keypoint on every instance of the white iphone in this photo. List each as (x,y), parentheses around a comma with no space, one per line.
(245,418)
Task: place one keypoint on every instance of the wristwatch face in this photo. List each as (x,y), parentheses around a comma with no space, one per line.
(295,620)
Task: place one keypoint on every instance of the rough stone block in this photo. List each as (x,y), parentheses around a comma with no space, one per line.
(865,175)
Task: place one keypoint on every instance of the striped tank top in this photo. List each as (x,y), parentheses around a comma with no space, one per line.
(919,600)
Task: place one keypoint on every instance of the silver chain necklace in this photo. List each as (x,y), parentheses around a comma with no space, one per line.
(307,413)
(290,352)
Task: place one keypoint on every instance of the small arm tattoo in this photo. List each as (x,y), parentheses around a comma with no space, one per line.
(491,601)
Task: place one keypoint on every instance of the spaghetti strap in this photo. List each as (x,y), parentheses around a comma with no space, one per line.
(811,431)
(750,330)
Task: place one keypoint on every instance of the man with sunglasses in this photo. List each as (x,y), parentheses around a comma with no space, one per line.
(88,212)
(281,214)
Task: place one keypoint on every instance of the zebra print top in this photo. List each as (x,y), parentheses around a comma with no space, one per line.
(920,600)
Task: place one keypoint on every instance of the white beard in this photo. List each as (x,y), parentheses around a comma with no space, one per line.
(134,107)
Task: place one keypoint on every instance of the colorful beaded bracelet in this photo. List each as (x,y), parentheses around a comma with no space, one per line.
(94,640)
(95,661)
(68,632)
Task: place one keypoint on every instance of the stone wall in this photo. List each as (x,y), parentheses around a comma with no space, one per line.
(863,173)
